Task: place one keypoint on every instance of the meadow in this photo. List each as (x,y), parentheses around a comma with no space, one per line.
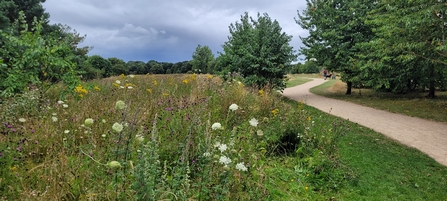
(197,137)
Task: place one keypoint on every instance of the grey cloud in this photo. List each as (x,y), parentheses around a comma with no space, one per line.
(164,30)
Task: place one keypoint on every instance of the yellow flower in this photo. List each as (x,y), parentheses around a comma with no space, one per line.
(185,81)
(97,88)
(13,168)
(165,94)
(209,77)
(155,82)
(275,112)
(122,76)
(193,77)
(81,91)
(149,90)
(261,92)
(116,85)
(307,188)
(308,118)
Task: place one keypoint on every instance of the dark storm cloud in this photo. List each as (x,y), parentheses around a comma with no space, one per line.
(164,30)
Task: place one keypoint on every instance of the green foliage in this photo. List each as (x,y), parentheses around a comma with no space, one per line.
(336,28)
(258,51)
(33,60)
(118,66)
(407,52)
(308,67)
(203,60)
(98,62)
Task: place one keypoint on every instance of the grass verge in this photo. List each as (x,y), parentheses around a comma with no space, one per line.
(412,104)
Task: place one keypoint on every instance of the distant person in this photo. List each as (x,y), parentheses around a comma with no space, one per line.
(325,73)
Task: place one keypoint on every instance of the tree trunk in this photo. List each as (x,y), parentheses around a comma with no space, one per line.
(349,88)
(431,89)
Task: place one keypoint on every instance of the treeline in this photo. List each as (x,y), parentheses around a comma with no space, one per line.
(96,67)
(396,46)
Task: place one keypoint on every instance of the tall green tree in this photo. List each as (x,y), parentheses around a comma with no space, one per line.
(410,48)
(259,51)
(9,13)
(336,29)
(118,66)
(203,60)
(34,60)
(100,63)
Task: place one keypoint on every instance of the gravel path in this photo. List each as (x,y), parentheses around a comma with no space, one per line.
(427,136)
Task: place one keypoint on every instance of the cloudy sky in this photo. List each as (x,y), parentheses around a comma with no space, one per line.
(165,30)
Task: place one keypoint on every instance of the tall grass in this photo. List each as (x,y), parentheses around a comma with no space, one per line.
(177,137)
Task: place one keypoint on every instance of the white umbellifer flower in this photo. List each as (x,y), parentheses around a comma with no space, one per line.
(117,127)
(206,154)
(118,82)
(54,119)
(131,76)
(66,131)
(222,148)
(121,87)
(224,160)
(103,135)
(216,126)
(139,138)
(120,105)
(254,122)
(233,107)
(23,120)
(60,102)
(54,114)
(241,167)
(88,122)
(65,105)
(217,144)
(129,87)
(260,133)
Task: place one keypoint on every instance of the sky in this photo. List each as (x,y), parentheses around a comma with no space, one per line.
(165,30)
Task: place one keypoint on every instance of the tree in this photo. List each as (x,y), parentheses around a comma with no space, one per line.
(336,29)
(33,60)
(202,60)
(9,13)
(100,63)
(118,66)
(410,47)
(259,51)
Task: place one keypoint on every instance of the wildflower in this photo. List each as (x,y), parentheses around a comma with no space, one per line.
(139,138)
(217,144)
(103,135)
(81,91)
(241,167)
(216,126)
(60,102)
(254,122)
(155,82)
(275,112)
(103,121)
(121,87)
(233,107)
(209,77)
(185,81)
(165,94)
(206,154)
(97,88)
(88,122)
(131,76)
(261,92)
(117,127)
(224,160)
(307,188)
(120,105)
(149,90)
(222,148)
(66,131)
(54,114)
(23,120)
(115,85)
(114,164)
(54,118)
(65,105)
(308,118)
(130,87)
(260,133)
(118,82)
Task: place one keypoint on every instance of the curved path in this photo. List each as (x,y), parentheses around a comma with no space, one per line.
(427,136)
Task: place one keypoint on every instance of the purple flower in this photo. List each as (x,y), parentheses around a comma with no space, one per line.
(169,109)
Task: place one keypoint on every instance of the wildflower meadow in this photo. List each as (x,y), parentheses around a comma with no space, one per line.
(165,137)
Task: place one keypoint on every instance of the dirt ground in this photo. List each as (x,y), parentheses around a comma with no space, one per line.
(427,136)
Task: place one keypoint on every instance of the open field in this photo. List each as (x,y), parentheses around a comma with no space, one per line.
(194,137)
